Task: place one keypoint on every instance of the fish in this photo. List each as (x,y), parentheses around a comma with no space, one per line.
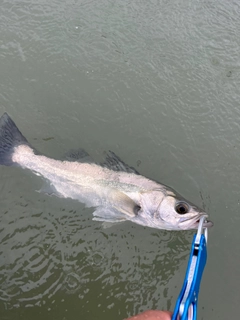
(116,191)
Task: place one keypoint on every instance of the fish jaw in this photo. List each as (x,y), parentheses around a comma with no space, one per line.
(192,223)
(206,224)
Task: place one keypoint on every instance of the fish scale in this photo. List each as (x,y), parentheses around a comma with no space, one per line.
(116,191)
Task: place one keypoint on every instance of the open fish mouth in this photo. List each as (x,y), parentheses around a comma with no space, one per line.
(206,224)
(186,224)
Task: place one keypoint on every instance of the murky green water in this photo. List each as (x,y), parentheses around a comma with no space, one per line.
(157,82)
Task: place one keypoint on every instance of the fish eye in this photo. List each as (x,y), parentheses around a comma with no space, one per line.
(181,208)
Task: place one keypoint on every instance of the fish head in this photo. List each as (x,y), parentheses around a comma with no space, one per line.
(172,212)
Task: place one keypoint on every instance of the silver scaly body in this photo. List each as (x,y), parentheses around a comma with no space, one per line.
(116,191)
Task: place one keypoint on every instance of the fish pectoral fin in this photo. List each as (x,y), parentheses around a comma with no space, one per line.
(119,208)
(123,203)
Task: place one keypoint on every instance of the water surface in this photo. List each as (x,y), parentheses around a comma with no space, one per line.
(158,83)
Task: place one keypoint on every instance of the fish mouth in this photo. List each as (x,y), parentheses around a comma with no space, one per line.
(194,225)
(206,224)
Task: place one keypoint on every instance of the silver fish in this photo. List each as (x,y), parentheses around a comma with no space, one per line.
(116,191)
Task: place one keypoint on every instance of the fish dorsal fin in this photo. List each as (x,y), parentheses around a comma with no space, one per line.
(79,155)
(114,163)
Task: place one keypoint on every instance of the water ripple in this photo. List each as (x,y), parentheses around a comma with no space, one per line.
(29,262)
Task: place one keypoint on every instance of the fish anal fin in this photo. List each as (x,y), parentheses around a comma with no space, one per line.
(107,224)
(49,190)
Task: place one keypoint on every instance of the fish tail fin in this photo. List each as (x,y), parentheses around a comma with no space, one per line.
(10,137)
